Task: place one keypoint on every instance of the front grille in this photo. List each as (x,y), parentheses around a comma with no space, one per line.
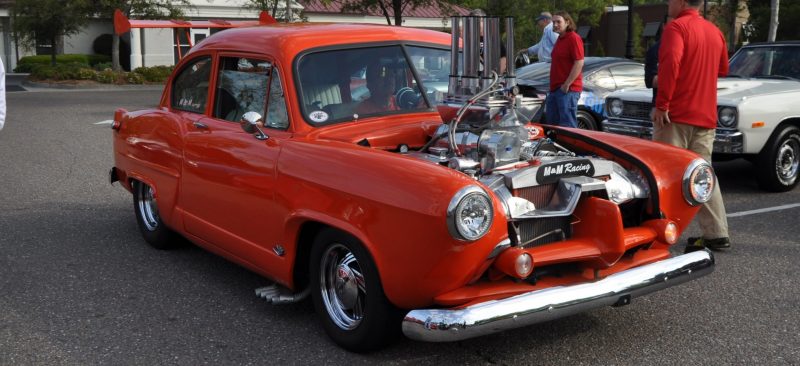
(540,196)
(544,231)
(636,110)
(541,231)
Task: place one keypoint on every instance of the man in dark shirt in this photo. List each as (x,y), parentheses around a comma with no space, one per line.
(651,69)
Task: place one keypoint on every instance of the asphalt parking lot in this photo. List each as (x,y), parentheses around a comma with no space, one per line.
(78,285)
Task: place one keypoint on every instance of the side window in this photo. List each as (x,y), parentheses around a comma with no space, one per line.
(277,117)
(628,76)
(190,88)
(241,87)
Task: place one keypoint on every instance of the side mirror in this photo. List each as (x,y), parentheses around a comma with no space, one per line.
(249,123)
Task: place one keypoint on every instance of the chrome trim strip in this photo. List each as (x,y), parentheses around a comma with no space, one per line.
(568,194)
(445,325)
(729,141)
(499,248)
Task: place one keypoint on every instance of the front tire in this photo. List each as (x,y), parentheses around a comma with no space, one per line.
(152,228)
(779,161)
(348,295)
(586,121)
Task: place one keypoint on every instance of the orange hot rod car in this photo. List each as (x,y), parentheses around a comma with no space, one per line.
(386,173)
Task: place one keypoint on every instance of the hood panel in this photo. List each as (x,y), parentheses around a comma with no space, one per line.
(736,89)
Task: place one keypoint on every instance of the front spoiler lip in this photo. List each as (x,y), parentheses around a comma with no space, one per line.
(445,325)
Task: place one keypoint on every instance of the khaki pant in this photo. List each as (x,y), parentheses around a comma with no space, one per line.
(712,218)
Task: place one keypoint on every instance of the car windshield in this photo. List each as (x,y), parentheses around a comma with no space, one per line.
(536,73)
(539,72)
(766,62)
(347,84)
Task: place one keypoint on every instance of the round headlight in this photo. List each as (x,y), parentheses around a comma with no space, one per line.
(726,117)
(698,182)
(470,213)
(615,107)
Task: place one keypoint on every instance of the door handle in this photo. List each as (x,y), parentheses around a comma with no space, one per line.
(198,124)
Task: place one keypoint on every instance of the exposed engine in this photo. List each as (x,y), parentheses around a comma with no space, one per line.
(487,136)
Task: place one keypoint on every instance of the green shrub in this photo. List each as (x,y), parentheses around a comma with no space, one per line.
(109,76)
(26,63)
(102,66)
(42,72)
(70,71)
(134,78)
(154,74)
(99,59)
(86,74)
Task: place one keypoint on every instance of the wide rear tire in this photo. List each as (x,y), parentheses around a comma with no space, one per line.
(348,295)
(152,228)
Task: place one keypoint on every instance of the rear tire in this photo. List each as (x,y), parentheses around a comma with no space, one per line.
(586,121)
(152,228)
(348,295)
(778,163)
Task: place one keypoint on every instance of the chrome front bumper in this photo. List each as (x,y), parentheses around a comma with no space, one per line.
(725,141)
(445,325)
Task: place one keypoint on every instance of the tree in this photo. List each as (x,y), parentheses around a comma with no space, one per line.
(272,7)
(761,18)
(144,9)
(398,7)
(524,12)
(48,20)
(773,20)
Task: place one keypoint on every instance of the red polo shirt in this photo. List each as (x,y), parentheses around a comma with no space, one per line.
(691,58)
(568,49)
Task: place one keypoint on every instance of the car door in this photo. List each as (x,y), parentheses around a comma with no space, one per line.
(227,190)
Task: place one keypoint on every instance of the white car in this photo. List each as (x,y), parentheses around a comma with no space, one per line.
(758,112)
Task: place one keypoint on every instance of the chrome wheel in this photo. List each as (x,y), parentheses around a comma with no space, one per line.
(342,287)
(786,160)
(148,209)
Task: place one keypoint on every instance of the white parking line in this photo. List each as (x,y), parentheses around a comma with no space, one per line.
(762,210)
(106,122)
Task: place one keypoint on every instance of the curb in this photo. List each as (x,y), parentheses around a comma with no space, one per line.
(39,85)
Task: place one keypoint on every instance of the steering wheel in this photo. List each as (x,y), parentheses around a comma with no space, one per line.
(522,59)
(407,98)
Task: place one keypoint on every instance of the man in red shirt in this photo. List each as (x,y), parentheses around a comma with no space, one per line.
(566,79)
(381,85)
(691,58)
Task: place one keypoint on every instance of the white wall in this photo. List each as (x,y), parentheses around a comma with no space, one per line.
(83,41)
(157,46)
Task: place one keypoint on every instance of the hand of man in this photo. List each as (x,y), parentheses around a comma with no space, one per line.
(565,88)
(660,118)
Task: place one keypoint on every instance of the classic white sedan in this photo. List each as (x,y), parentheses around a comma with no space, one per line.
(758,112)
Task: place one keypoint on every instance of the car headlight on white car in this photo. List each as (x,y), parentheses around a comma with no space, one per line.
(469,214)
(625,185)
(698,182)
(615,107)
(726,117)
